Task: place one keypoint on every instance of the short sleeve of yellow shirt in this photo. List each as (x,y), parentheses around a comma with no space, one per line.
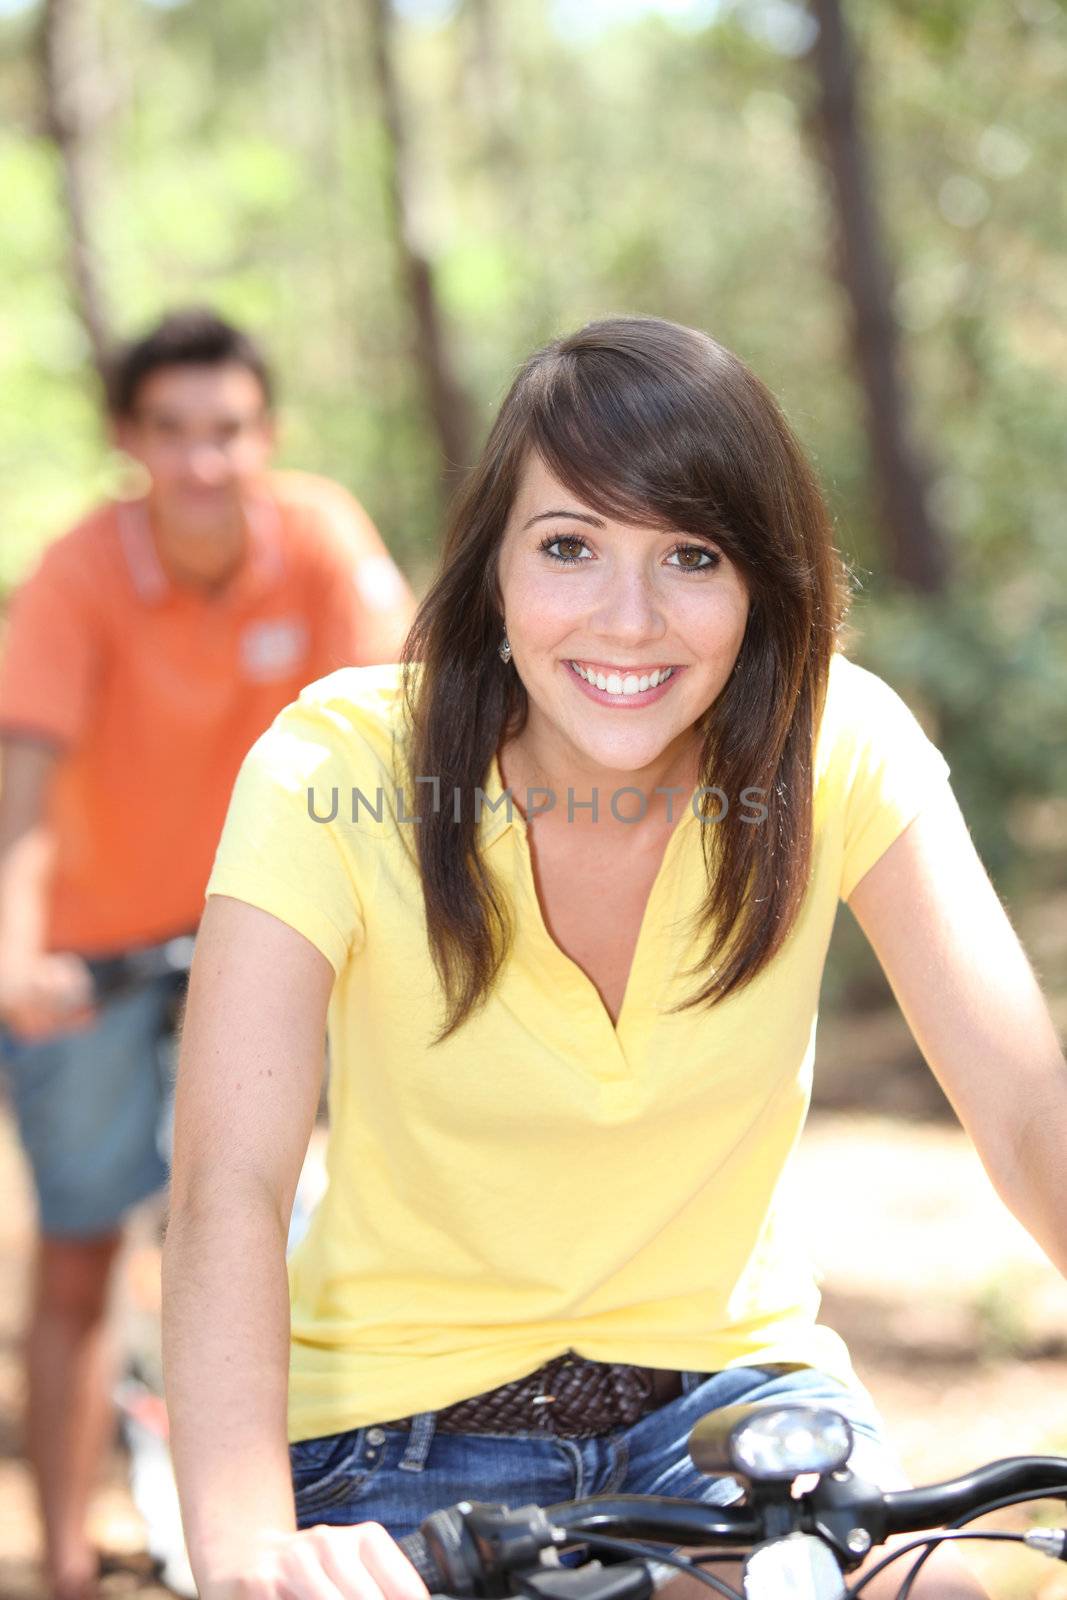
(280,848)
(877,749)
(545,1180)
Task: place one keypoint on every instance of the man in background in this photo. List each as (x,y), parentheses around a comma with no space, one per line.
(149,648)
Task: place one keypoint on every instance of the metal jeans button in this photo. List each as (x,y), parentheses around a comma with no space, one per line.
(376,1436)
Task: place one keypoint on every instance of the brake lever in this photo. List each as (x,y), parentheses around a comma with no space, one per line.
(626,1580)
(848,1513)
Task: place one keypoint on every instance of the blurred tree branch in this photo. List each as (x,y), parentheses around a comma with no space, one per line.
(76,101)
(445,397)
(917,547)
(488,84)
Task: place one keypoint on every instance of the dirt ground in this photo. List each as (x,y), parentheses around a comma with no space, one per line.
(955,1322)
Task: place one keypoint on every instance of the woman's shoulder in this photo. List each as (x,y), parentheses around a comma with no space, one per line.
(851,687)
(877,767)
(364,700)
(866,722)
(344,725)
(856,698)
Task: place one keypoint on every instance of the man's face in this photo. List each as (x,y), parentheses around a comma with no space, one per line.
(203,434)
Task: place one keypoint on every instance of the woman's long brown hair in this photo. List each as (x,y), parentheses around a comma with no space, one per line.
(656,424)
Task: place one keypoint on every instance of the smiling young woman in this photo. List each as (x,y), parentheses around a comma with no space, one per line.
(571,1041)
(641,501)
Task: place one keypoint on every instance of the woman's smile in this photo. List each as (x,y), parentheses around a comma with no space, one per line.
(623,689)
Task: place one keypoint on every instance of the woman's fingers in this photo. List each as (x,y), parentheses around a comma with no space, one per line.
(301,1574)
(300,1579)
(367,1564)
(322,1563)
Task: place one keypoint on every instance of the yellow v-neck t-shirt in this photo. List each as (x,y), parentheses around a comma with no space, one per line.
(543,1180)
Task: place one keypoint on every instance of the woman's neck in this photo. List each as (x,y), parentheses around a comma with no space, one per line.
(571,792)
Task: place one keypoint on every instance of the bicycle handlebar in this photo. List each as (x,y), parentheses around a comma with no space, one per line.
(469,1550)
(914,1510)
(454,1549)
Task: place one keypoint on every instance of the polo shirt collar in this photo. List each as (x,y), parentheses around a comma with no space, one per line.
(139,549)
(261,566)
(498,813)
(493,823)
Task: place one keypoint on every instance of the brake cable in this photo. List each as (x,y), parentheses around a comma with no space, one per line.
(651,1552)
(972,1516)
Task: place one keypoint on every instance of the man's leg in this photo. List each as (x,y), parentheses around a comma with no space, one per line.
(69,1415)
(88,1105)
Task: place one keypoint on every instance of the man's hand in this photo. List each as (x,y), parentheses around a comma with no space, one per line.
(40,994)
(45,994)
(324,1563)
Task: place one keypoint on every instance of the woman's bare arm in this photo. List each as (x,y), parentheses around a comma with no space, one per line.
(248,1085)
(972,1001)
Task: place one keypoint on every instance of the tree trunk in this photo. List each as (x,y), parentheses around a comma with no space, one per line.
(446,400)
(488,87)
(75,103)
(918,550)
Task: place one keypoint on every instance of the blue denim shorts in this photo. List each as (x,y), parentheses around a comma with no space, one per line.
(93,1110)
(399,1476)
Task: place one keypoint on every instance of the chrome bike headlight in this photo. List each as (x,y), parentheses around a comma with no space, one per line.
(780,1443)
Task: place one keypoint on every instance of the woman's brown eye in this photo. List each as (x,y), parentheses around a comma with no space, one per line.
(703,560)
(552,548)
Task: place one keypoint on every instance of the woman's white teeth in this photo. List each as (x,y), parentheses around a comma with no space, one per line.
(615,683)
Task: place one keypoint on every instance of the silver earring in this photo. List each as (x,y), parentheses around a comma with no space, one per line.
(504,650)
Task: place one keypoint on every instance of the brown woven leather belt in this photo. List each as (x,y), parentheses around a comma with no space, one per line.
(569,1396)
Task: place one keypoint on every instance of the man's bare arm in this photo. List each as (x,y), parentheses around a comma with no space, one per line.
(38,991)
(27,767)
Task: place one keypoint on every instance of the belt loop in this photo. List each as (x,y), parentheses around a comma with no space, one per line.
(692,1380)
(420,1438)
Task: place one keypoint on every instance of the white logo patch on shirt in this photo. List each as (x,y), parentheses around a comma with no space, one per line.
(271,649)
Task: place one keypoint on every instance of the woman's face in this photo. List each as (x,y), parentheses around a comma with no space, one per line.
(622,603)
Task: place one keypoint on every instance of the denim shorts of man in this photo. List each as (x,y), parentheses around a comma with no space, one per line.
(94,1107)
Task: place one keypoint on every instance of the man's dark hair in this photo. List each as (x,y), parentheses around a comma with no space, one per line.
(193,336)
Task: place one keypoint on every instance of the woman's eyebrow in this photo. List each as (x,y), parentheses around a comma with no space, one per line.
(598,522)
(576,516)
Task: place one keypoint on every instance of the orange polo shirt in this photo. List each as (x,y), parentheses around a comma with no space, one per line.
(154,690)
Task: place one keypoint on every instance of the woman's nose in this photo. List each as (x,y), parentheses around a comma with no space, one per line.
(630,606)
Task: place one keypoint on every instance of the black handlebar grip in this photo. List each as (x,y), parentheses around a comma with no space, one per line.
(418,1553)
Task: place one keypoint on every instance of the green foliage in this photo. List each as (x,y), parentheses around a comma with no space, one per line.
(989,669)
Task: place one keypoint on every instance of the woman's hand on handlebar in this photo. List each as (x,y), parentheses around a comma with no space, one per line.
(323,1563)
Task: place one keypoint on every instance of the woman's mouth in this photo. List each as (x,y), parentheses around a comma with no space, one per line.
(624,687)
